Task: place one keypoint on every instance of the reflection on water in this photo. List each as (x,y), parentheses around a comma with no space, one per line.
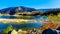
(24,25)
(31,17)
(10,17)
(18,26)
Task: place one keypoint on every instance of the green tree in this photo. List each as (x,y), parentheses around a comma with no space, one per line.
(9,28)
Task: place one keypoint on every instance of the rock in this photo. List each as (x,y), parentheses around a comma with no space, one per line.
(14,32)
(49,31)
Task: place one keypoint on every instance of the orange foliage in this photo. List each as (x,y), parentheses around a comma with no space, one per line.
(50,24)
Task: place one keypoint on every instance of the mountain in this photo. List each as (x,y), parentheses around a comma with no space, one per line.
(13,10)
(50,11)
(28,11)
(47,10)
(44,10)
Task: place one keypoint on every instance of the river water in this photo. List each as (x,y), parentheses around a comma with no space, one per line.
(28,25)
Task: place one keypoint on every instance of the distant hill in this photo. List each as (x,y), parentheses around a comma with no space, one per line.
(47,10)
(44,10)
(50,11)
(13,10)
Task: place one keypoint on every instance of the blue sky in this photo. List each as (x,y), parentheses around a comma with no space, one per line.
(38,4)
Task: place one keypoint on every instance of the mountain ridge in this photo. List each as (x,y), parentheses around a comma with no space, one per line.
(28,11)
(12,10)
